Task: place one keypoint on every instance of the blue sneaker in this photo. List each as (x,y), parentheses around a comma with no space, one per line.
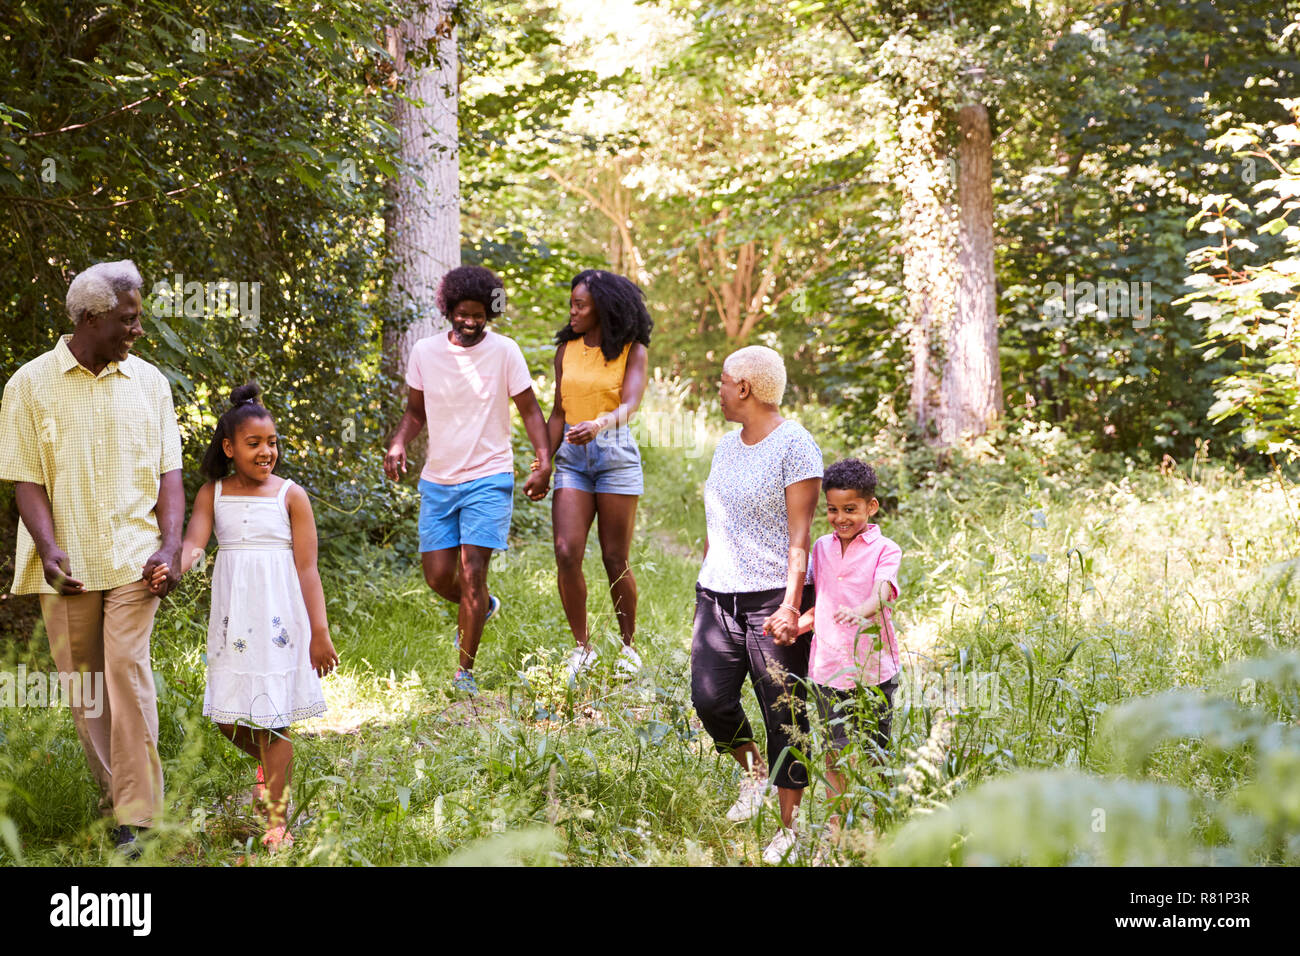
(464,682)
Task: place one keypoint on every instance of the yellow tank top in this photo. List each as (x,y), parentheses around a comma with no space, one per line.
(590,386)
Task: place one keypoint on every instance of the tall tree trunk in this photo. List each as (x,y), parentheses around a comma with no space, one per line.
(929,256)
(423,221)
(971,389)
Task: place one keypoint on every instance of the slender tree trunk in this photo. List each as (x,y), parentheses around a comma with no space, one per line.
(423,219)
(929,256)
(971,389)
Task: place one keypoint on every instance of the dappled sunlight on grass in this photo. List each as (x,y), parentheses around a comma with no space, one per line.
(353,701)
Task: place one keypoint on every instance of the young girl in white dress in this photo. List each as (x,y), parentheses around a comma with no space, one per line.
(268,638)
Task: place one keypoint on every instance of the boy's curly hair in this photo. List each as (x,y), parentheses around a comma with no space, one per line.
(851,475)
(475,284)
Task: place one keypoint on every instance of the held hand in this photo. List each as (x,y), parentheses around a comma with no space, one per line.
(58,573)
(395,462)
(171,578)
(783,626)
(539,481)
(323,656)
(582,433)
(159,580)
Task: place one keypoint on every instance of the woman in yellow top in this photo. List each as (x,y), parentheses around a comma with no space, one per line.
(600,376)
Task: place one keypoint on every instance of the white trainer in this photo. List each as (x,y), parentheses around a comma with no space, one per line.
(752,792)
(629,662)
(580,659)
(784,848)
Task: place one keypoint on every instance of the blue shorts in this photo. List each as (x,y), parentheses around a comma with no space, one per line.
(473,512)
(608,464)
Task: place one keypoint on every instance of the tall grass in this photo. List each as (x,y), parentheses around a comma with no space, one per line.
(1073,642)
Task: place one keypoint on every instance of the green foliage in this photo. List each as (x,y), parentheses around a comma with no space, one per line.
(1102,118)
(1244,289)
(1051,818)
(518,96)
(1058,817)
(1137,729)
(1099,177)
(246,143)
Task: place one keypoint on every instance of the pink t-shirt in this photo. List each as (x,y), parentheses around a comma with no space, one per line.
(842,656)
(467,394)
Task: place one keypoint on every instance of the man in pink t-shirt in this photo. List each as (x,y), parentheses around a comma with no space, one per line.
(854,657)
(461,384)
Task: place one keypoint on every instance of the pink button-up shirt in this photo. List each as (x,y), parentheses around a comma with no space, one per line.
(842,655)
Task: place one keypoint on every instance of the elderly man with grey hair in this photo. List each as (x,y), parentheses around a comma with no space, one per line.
(92,444)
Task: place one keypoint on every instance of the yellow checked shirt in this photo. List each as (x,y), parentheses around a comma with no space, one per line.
(100,445)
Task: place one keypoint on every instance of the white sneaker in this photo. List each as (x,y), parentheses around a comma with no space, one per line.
(784,848)
(629,662)
(580,660)
(750,801)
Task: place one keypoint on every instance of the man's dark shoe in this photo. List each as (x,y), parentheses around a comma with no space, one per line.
(128,843)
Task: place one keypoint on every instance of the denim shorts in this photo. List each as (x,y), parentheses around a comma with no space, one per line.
(609,464)
(472,512)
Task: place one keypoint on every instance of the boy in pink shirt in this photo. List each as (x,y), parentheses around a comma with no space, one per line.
(854,659)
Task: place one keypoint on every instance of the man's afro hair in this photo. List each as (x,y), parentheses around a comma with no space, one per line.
(474,284)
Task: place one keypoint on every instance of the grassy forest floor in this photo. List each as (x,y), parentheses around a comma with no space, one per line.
(1034,600)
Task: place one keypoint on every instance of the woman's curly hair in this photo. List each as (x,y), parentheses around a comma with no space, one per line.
(474,284)
(620,309)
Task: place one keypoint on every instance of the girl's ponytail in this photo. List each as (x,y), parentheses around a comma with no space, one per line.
(244,405)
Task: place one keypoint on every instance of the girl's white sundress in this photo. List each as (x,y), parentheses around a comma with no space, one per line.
(259,636)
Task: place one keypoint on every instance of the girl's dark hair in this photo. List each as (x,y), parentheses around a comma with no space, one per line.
(243,406)
(620,308)
(851,475)
(475,284)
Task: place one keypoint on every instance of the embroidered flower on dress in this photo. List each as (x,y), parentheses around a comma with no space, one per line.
(275,622)
(240,645)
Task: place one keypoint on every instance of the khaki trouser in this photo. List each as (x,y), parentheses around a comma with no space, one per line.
(107,632)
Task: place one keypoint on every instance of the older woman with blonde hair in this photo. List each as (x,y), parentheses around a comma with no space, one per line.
(759,500)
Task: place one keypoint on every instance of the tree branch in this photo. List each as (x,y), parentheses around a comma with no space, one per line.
(71,207)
